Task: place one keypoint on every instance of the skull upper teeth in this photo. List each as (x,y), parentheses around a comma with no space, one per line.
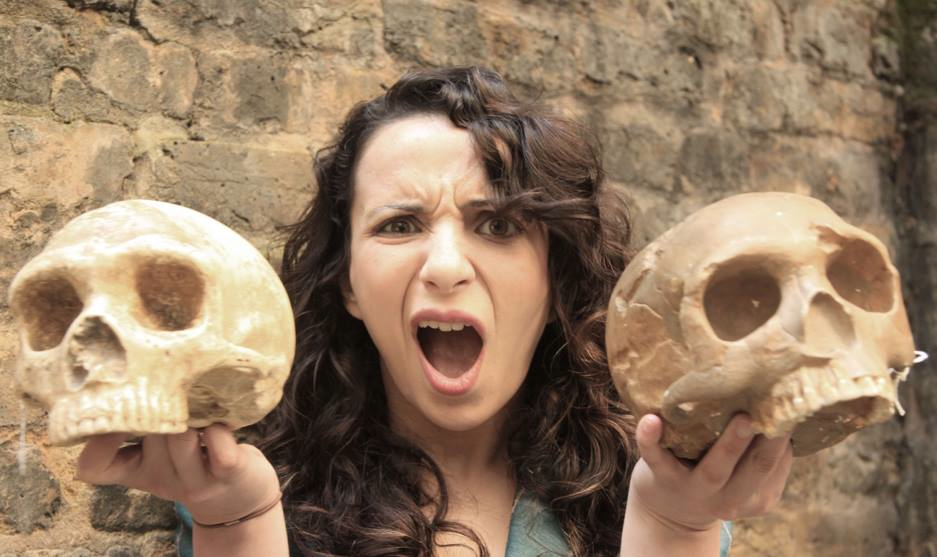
(442,326)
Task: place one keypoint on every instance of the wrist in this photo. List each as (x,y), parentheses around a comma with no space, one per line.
(260,511)
(645,532)
(265,535)
(234,503)
(673,527)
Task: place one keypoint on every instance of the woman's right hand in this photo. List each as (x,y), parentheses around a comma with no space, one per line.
(220,482)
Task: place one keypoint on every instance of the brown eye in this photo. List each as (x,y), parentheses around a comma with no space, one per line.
(499,227)
(47,306)
(861,275)
(739,299)
(171,293)
(397,227)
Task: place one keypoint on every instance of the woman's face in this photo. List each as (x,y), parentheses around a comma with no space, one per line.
(426,257)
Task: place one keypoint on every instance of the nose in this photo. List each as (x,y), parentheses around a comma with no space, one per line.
(446,267)
(827,326)
(95,354)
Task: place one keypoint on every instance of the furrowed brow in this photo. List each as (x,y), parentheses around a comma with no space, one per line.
(414,208)
(495,206)
(480,204)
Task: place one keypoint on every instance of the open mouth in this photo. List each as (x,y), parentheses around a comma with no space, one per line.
(451,348)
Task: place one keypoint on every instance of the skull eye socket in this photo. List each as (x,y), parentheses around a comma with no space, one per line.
(861,275)
(47,306)
(739,299)
(171,292)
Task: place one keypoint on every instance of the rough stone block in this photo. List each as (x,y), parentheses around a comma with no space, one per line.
(29,54)
(178,78)
(531,48)
(117,6)
(28,500)
(247,186)
(414,31)
(48,162)
(135,73)
(795,99)
(13,410)
(123,69)
(714,161)
(768,30)
(263,94)
(263,91)
(846,175)
(886,57)
(640,146)
(724,24)
(834,36)
(73,100)
(282,25)
(354,37)
(118,509)
(850,110)
(765,97)
(674,78)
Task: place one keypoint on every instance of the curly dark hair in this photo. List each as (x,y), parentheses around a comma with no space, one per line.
(354,487)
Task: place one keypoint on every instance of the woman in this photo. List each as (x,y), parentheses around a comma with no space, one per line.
(451,394)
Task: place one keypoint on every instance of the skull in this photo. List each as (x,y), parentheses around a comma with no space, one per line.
(764,303)
(148,317)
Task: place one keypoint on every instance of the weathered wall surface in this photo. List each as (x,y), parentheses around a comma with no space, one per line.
(221,105)
(917,217)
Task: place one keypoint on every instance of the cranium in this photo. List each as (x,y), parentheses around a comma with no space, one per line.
(147,317)
(765,303)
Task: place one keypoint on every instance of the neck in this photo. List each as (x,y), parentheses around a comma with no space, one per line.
(466,458)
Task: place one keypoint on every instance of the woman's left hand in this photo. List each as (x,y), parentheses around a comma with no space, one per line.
(742,475)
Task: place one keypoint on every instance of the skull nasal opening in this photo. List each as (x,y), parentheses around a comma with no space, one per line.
(95,354)
(739,299)
(827,327)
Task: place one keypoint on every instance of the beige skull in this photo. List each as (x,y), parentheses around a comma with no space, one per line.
(765,303)
(148,317)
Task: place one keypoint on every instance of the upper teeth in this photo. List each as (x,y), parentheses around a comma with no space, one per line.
(443,326)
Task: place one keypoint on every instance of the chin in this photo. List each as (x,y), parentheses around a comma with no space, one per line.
(461,417)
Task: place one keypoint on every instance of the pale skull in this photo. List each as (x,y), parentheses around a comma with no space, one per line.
(764,303)
(148,317)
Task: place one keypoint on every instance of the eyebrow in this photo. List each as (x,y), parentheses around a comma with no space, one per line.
(416,208)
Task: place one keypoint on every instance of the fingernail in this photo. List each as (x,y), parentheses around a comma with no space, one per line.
(744,430)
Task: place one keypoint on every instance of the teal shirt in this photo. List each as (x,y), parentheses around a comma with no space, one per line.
(534,532)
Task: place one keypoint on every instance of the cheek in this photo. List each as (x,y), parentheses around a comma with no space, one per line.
(520,295)
(521,281)
(378,278)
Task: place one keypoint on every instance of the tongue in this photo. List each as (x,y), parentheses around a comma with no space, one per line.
(452,353)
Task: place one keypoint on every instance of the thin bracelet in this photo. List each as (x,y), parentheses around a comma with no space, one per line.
(244,518)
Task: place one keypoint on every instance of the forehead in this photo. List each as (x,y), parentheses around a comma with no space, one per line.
(419,157)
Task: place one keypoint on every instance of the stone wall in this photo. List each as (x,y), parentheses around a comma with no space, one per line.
(916,214)
(220,105)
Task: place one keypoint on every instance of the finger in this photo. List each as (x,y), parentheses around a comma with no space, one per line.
(156,460)
(661,461)
(188,458)
(97,456)
(722,458)
(759,477)
(772,489)
(222,449)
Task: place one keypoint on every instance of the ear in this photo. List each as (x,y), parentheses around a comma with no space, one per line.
(351,303)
